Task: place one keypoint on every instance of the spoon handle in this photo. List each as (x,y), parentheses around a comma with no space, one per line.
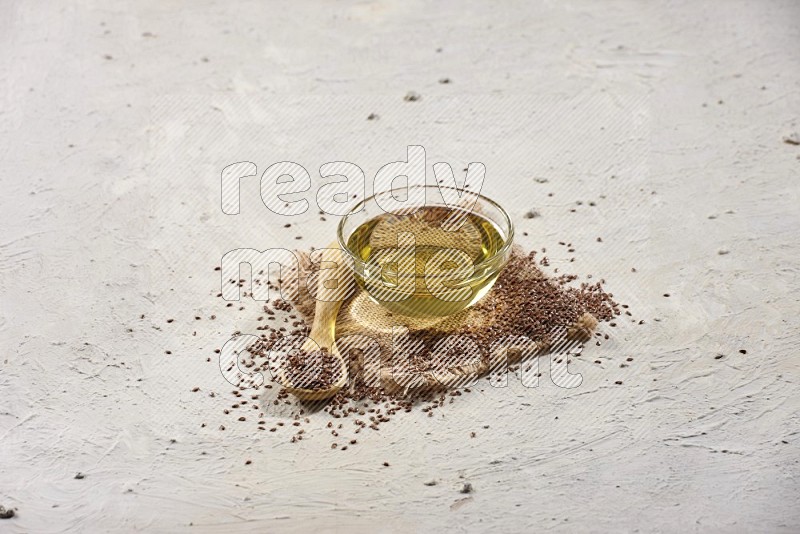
(334,285)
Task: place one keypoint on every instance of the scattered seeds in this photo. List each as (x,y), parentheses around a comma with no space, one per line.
(792,139)
(549,301)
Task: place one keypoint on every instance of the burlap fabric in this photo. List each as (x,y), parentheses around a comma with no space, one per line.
(403,354)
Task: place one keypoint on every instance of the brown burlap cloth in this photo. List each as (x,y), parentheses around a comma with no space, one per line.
(403,355)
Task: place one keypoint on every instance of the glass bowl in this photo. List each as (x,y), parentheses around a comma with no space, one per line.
(427,257)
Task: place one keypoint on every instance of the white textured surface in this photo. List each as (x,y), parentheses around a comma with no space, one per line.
(110,209)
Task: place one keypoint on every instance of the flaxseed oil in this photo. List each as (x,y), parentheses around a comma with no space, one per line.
(434,261)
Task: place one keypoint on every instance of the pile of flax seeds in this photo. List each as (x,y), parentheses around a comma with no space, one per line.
(540,305)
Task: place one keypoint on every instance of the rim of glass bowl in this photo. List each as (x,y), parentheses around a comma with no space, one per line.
(476,268)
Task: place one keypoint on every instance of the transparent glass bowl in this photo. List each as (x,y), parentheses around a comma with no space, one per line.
(446,268)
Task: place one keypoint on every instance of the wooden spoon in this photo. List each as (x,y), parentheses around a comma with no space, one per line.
(322,335)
